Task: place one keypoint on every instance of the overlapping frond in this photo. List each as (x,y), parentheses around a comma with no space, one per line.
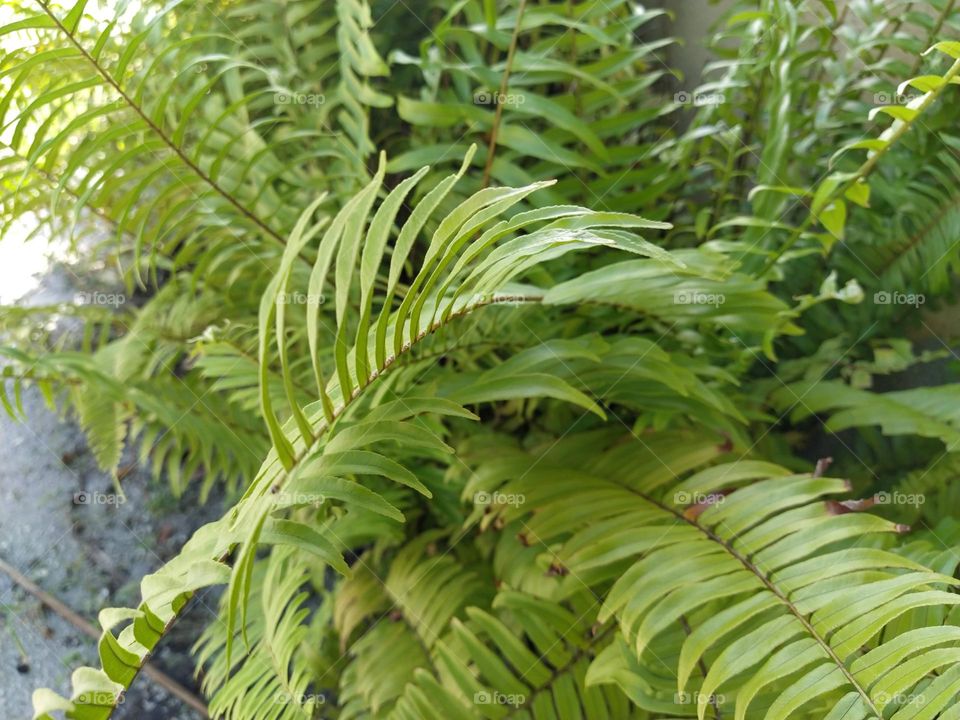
(178,179)
(491,78)
(271,679)
(781,604)
(324,327)
(927,412)
(469,258)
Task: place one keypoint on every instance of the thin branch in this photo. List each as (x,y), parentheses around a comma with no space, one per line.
(865,169)
(893,32)
(499,100)
(934,34)
(82,624)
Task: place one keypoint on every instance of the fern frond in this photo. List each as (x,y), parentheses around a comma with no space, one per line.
(460,273)
(473,83)
(927,412)
(527,657)
(743,547)
(270,680)
(87,68)
(405,612)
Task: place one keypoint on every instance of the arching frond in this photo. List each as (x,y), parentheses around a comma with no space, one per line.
(761,567)
(469,259)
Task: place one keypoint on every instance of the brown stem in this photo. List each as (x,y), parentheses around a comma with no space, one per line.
(498,112)
(932,37)
(82,624)
(776,591)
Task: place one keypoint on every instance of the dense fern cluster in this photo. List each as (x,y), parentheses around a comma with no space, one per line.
(516,357)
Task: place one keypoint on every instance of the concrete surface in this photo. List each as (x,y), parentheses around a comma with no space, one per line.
(61,527)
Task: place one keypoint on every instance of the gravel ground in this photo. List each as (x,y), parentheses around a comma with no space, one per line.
(61,526)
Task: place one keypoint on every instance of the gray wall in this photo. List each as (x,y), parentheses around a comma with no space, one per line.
(692,21)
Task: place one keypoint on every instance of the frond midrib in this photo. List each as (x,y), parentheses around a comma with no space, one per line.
(346,403)
(772,588)
(158,131)
(915,240)
(555,673)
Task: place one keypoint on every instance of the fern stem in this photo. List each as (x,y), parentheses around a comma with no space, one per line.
(79,622)
(498,112)
(574,87)
(934,33)
(729,168)
(466,346)
(834,27)
(158,131)
(866,168)
(772,588)
(556,672)
(898,23)
(322,429)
